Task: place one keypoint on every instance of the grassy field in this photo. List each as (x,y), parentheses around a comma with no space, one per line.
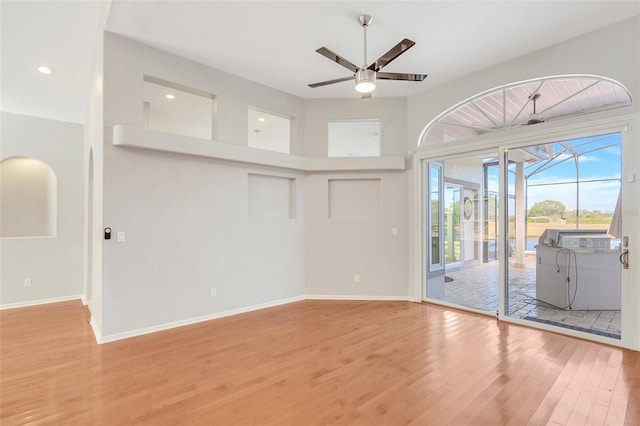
(536,229)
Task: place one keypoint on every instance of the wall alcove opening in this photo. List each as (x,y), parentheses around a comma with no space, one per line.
(28,198)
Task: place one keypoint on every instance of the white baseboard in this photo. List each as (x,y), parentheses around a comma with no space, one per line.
(357,297)
(40,302)
(147,330)
(96,331)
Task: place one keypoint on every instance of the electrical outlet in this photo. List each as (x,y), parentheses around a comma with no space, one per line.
(27,282)
(356,278)
(213,292)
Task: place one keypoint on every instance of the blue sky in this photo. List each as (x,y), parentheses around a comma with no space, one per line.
(601,164)
(600,159)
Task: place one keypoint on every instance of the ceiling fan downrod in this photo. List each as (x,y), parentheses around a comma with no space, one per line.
(365,78)
(365,20)
(535,117)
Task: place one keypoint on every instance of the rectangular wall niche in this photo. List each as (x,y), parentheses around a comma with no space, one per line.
(268,131)
(355,199)
(173,108)
(354,138)
(271,197)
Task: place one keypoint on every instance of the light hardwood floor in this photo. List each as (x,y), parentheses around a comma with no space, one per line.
(312,362)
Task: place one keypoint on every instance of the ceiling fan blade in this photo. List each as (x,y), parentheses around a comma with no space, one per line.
(325,83)
(400,76)
(392,54)
(337,58)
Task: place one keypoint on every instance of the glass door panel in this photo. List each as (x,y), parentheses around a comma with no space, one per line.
(460,219)
(564,246)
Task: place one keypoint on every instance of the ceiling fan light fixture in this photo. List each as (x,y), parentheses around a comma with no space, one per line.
(535,119)
(365,80)
(43,69)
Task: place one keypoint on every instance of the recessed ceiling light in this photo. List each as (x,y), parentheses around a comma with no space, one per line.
(43,69)
(262,119)
(169,96)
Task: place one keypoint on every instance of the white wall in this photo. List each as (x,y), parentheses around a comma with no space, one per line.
(337,249)
(186,218)
(93,165)
(55,264)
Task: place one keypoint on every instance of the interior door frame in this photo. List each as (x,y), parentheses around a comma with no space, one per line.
(571,128)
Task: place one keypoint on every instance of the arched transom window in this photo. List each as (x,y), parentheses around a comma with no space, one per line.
(524,104)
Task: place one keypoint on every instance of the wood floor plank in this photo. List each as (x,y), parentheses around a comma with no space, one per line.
(311,363)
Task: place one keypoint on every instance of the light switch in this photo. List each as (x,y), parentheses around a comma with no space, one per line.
(394,232)
(631,177)
(120,237)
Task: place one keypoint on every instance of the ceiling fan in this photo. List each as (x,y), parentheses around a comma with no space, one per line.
(535,118)
(365,76)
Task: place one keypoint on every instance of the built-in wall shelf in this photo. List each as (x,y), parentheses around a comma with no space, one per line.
(140,138)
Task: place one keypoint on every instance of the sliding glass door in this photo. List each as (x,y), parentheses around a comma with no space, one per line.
(565,227)
(537,226)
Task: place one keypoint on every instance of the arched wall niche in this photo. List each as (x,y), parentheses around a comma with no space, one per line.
(28,198)
(525,103)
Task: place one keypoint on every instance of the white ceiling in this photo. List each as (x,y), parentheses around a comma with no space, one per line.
(61,35)
(274,43)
